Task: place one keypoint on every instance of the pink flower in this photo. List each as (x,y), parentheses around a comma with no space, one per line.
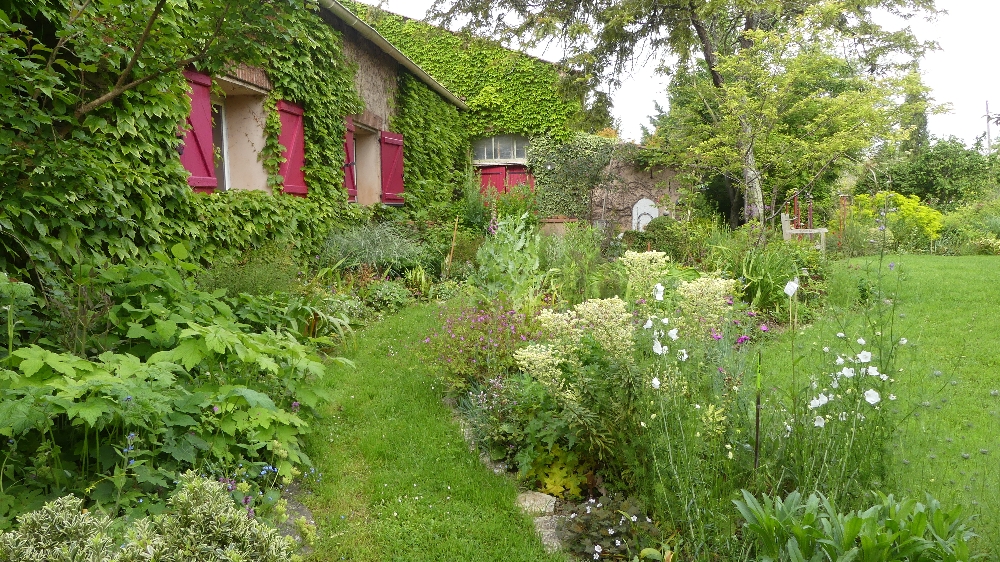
(742,340)
(716,335)
(764,328)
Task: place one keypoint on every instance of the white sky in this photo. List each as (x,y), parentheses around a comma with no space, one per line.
(962,73)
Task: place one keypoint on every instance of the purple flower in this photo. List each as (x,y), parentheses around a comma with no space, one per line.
(716,335)
(764,328)
(216,409)
(295,406)
(892,265)
(247,500)
(427,340)
(729,300)
(751,313)
(742,340)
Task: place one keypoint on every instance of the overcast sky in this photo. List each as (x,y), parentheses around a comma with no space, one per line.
(963,73)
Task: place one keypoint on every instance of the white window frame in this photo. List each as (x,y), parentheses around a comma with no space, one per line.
(518,140)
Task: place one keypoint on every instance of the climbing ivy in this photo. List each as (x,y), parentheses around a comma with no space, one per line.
(435,150)
(507,92)
(566,173)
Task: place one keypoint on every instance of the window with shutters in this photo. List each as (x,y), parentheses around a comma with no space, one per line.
(373,172)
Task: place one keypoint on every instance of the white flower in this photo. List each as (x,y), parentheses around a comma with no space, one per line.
(673,334)
(839,361)
(892,397)
(682,355)
(791,287)
(697,406)
(788,428)
(659,292)
(884,377)
(618,542)
(611,531)
(872,371)
(819,421)
(826,349)
(657,347)
(842,416)
(902,341)
(588,509)
(648,324)
(861,341)
(634,518)
(865,356)
(597,548)
(840,334)
(656,383)
(665,320)
(848,372)
(818,401)
(835,383)
(872,397)
(642,423)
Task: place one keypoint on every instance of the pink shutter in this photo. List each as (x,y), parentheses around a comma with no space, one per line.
(392,168)
(493,178)
(350,164)
(198,155)
(292,141)
(518,175)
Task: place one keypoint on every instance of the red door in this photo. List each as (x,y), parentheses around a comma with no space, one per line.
(493,178)
(519,175)
(198,154)
(292,141)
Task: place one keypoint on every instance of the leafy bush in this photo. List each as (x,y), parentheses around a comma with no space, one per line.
(577,269)
(387,295)
(202,523)
(914,226)
(383,246)
(973,228)
(904,529)
(182,383)
(509,263)
(610,527)
(262,271)
(683,241)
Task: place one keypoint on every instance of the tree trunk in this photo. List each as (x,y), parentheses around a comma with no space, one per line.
(751,175)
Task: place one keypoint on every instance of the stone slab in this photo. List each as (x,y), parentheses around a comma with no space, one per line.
(536,503)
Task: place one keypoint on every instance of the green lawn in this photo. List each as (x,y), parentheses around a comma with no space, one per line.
(949,311)
(398,482)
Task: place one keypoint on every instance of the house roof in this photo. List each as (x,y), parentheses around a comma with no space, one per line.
(366,31)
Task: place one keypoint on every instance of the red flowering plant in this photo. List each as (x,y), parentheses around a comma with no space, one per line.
(476,344)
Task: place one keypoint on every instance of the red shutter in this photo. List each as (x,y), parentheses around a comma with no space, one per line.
(493,178)
(350,164)
(392,168)
(198,155)
(292,141)
(517,175)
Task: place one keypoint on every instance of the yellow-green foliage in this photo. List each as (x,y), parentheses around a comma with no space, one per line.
(644,270)
(606,320)
(913,225)
(703,303)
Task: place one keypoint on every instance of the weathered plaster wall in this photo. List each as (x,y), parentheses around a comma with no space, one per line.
(612,203)
(245,117)
(377,78)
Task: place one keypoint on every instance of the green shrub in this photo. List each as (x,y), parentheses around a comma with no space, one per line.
(914,226)
(892,530)
(973,228)
(683,241)
(577,269)
(262,271)
(384,246)
(509,263)
(201,523)
(619,527)
(387,295)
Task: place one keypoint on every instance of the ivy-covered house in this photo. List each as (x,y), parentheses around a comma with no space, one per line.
(226,133)
(511,96)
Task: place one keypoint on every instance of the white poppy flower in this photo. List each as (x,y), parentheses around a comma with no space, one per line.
(819,421)
(892,397)
(902,341)
(826,349)
(840,360)
(840,334)
(673,334)
(835,383)
(865,357)
(657,347)
(872,396)
(665,320)
(658,292)
(820,400)
(656,383)
(848,372)
(872,371)
(682,355)
(648,324)
(861,341)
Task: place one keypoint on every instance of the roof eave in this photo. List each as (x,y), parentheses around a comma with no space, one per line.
(369,33)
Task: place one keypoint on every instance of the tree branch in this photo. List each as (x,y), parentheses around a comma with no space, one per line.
(142,42)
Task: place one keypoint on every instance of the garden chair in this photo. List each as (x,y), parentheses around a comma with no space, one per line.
(787,231)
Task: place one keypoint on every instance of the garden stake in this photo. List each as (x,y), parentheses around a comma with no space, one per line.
(756,445)
(451,254)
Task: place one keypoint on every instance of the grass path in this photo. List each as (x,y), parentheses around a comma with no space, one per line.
(398,481)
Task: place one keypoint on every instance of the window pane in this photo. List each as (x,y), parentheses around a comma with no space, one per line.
(483,149)
(522,145)
(505,147)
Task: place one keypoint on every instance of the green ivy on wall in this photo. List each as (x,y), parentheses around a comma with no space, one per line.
(566,172)
(507,92)
(436,152)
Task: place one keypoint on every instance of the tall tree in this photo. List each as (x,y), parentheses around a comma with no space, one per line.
(611,34)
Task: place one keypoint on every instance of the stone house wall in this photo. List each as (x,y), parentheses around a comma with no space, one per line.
(612,203)
(377,77)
